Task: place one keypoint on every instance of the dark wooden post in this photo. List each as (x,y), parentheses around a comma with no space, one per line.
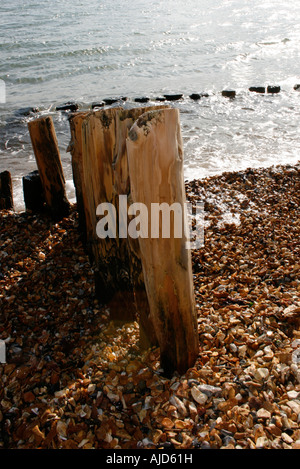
(6,192)
(155,158)
(75,148)
(33,192)
(46,151)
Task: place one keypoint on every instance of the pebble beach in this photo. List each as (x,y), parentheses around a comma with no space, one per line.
(73,379)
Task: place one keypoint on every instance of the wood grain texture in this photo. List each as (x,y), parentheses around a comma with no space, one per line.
(125,118)
(155,157)
(110,258)
(75,148)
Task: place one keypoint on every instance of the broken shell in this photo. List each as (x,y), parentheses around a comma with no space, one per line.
(198,396)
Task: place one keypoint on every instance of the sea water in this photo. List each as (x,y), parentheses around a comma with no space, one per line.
(85,51)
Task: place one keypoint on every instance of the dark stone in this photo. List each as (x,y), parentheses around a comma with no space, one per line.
(6,194)
(273,89)
(67,107)
(195,96)
(229,93)
(33,192)
(173,97)
(257,89)
(142,100)
(297,87)
(109,101)
(101,104)
(160,98)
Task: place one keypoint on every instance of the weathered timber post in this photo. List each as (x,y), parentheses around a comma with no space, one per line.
(125,118)
(110,259)
(104,146)
(124,121)
(47,155)
(33,192)
(155,157)
(75,148)
(6,192)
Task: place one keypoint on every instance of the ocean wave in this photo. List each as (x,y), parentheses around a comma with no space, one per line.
(57,57)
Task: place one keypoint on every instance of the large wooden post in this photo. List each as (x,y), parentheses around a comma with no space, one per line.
(100,173)
(155,156)
(125,118)
(109,256)
(47,155)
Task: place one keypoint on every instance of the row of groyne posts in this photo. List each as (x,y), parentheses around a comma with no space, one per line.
(122,157)
(135,153)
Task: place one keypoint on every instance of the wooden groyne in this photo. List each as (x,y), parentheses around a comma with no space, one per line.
(131,273)
(122,158)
